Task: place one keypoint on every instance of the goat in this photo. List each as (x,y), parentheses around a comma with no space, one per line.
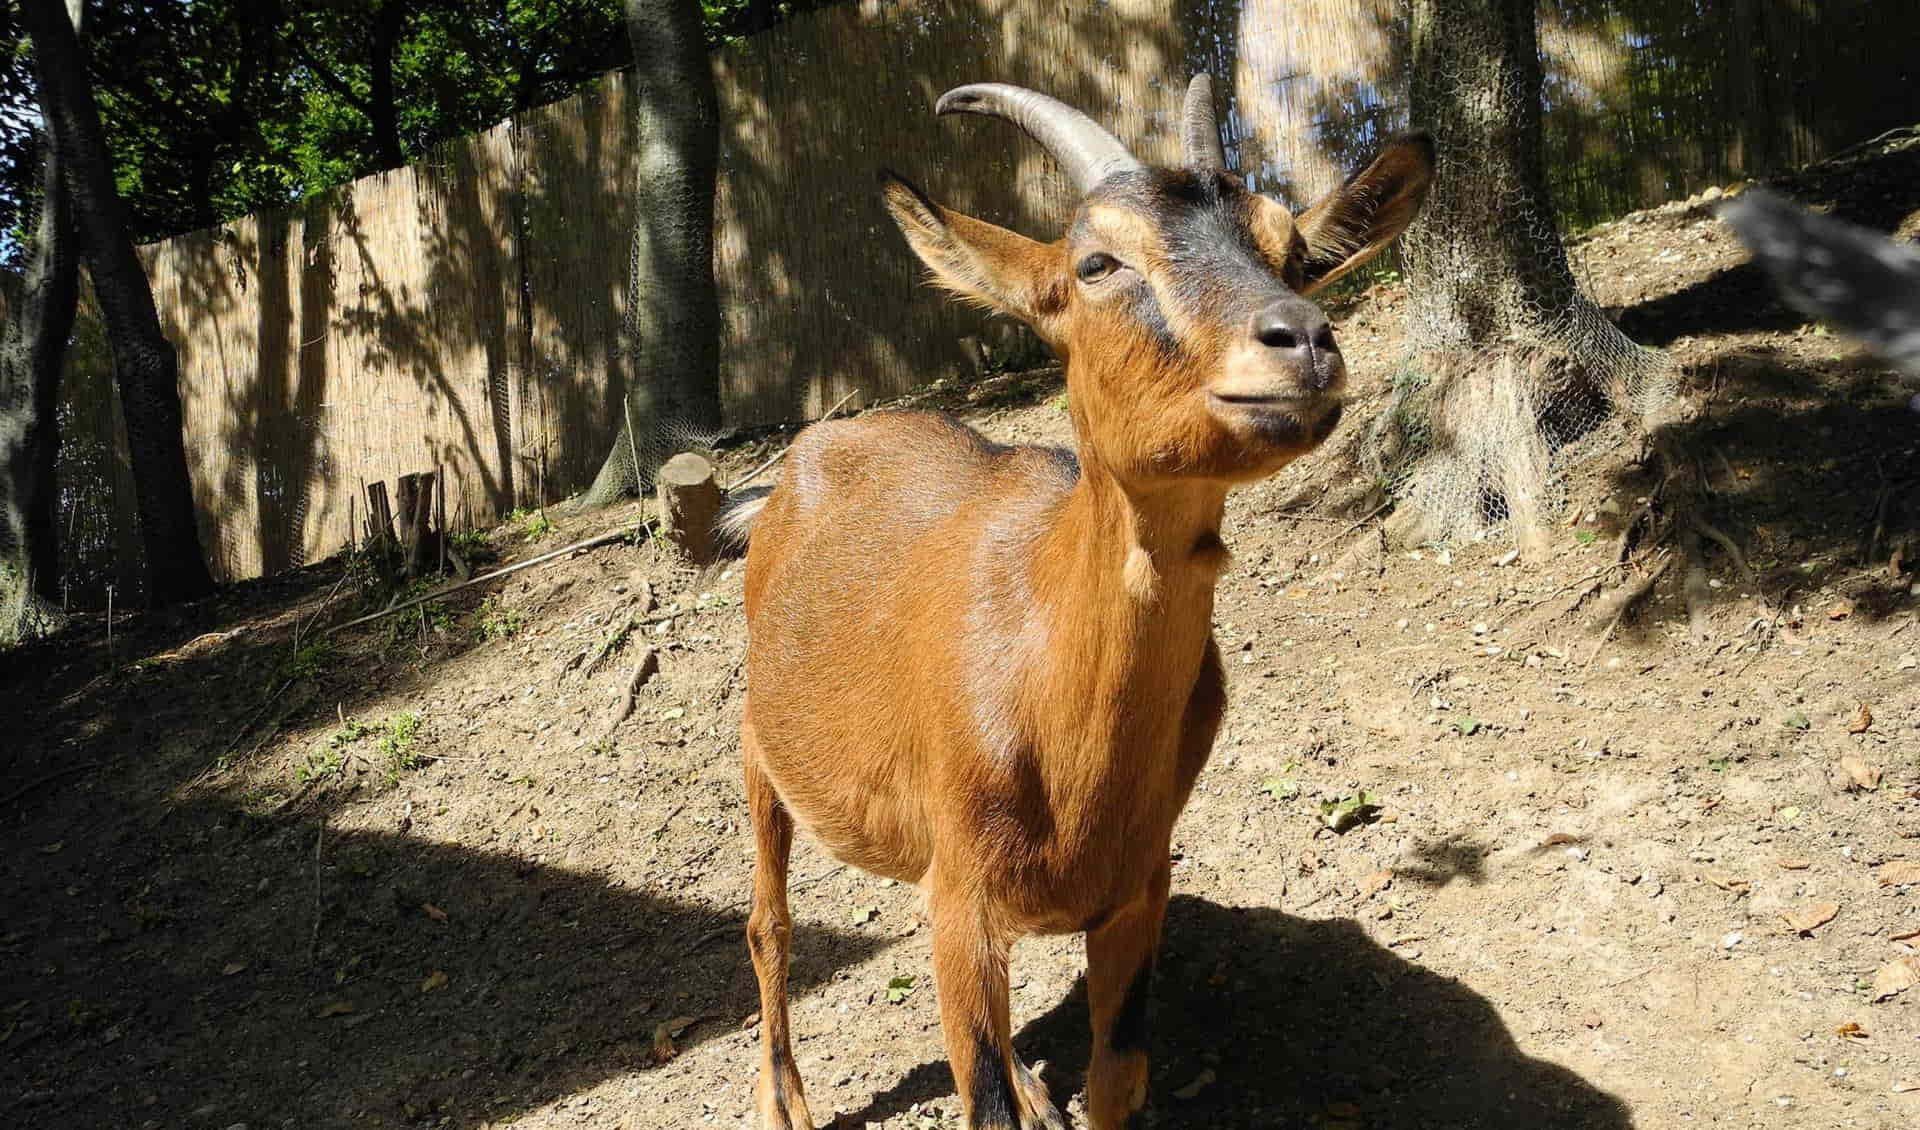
(990,670)
(1856,279)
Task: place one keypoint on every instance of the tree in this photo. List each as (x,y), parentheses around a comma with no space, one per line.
(673,310)
(217,108)
(1513,366)
(32,353)
(146,369)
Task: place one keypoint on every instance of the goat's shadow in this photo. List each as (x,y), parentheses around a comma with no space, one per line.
(1297,1019)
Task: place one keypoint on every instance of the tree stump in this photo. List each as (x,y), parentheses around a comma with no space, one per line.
(379,518)
(689,502)
(413,497)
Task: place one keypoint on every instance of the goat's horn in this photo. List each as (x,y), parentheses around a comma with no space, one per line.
(1087,152)
(1199,132)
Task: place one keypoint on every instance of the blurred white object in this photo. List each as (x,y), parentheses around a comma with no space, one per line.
(1847,276)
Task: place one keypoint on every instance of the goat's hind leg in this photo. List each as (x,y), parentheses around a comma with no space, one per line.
(782,1103)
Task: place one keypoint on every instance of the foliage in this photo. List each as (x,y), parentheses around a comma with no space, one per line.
(495,621)
(218,108)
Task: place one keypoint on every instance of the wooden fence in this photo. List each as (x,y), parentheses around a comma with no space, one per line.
(468,313)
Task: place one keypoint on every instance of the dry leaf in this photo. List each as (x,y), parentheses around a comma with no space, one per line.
(1559,838)
(1343,1110)
(663,1034)
(334,1008)
(1812,918)
(1895,977)
(1906,937)
(1862,775)
(1794,864)
(1905,1086)
(435,980)
(1375,883)
(1729,883)
(232,967)
(1840,611)
(1862,719)
(433,912)
(1898,872)
(1200,1083)
(1850,1031)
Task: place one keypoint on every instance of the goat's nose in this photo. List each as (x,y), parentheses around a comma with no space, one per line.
(1294,325)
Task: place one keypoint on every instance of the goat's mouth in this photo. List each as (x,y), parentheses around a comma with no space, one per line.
(1282,419)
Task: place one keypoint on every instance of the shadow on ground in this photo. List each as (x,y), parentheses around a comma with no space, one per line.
(178,955)
(1305,1021)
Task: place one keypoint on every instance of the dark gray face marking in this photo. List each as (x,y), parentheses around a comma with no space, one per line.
(1213,262)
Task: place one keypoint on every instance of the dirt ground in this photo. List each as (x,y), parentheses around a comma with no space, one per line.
(256,876)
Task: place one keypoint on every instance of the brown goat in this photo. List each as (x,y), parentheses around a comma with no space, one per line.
(991,670)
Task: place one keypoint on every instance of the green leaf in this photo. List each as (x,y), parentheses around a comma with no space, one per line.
(1797,721)
(1468,725)
(899,988)
(1585,537)
(1343,813)
(1280,788)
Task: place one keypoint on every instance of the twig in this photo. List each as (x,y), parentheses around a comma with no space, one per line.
(304,629)
(677,810)
(449,590)
(633,445)
(1368,517)
(782,453)
(69,771)
(313,942)
(708,938)
(1631,977)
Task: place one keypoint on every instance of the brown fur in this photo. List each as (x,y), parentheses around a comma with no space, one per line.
(979,669)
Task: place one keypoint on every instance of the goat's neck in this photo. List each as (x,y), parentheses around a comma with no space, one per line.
(1127,574)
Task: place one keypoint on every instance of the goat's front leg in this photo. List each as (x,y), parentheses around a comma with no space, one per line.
(1120,957)
(970,973)
(783,1105)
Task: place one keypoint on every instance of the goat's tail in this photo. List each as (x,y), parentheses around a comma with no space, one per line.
(733,526)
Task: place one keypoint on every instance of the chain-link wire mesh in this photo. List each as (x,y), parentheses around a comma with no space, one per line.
(1511,375)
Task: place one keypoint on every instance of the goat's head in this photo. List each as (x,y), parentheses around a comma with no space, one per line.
(1177,298)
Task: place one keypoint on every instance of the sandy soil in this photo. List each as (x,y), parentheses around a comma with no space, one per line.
(396,879)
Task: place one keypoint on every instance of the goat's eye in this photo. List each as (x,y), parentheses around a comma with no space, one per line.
(1096,266)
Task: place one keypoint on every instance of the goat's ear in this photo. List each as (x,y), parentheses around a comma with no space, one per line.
(1353,222)
(980,262)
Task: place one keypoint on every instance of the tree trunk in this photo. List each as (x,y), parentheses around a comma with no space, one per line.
(146,369)
(382,107)
(1510,366)
(1485,252)
(33,355)
(673,315)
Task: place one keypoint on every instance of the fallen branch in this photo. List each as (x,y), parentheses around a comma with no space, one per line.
(449,590)
(69,771)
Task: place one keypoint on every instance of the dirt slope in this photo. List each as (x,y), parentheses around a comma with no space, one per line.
(397,881)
